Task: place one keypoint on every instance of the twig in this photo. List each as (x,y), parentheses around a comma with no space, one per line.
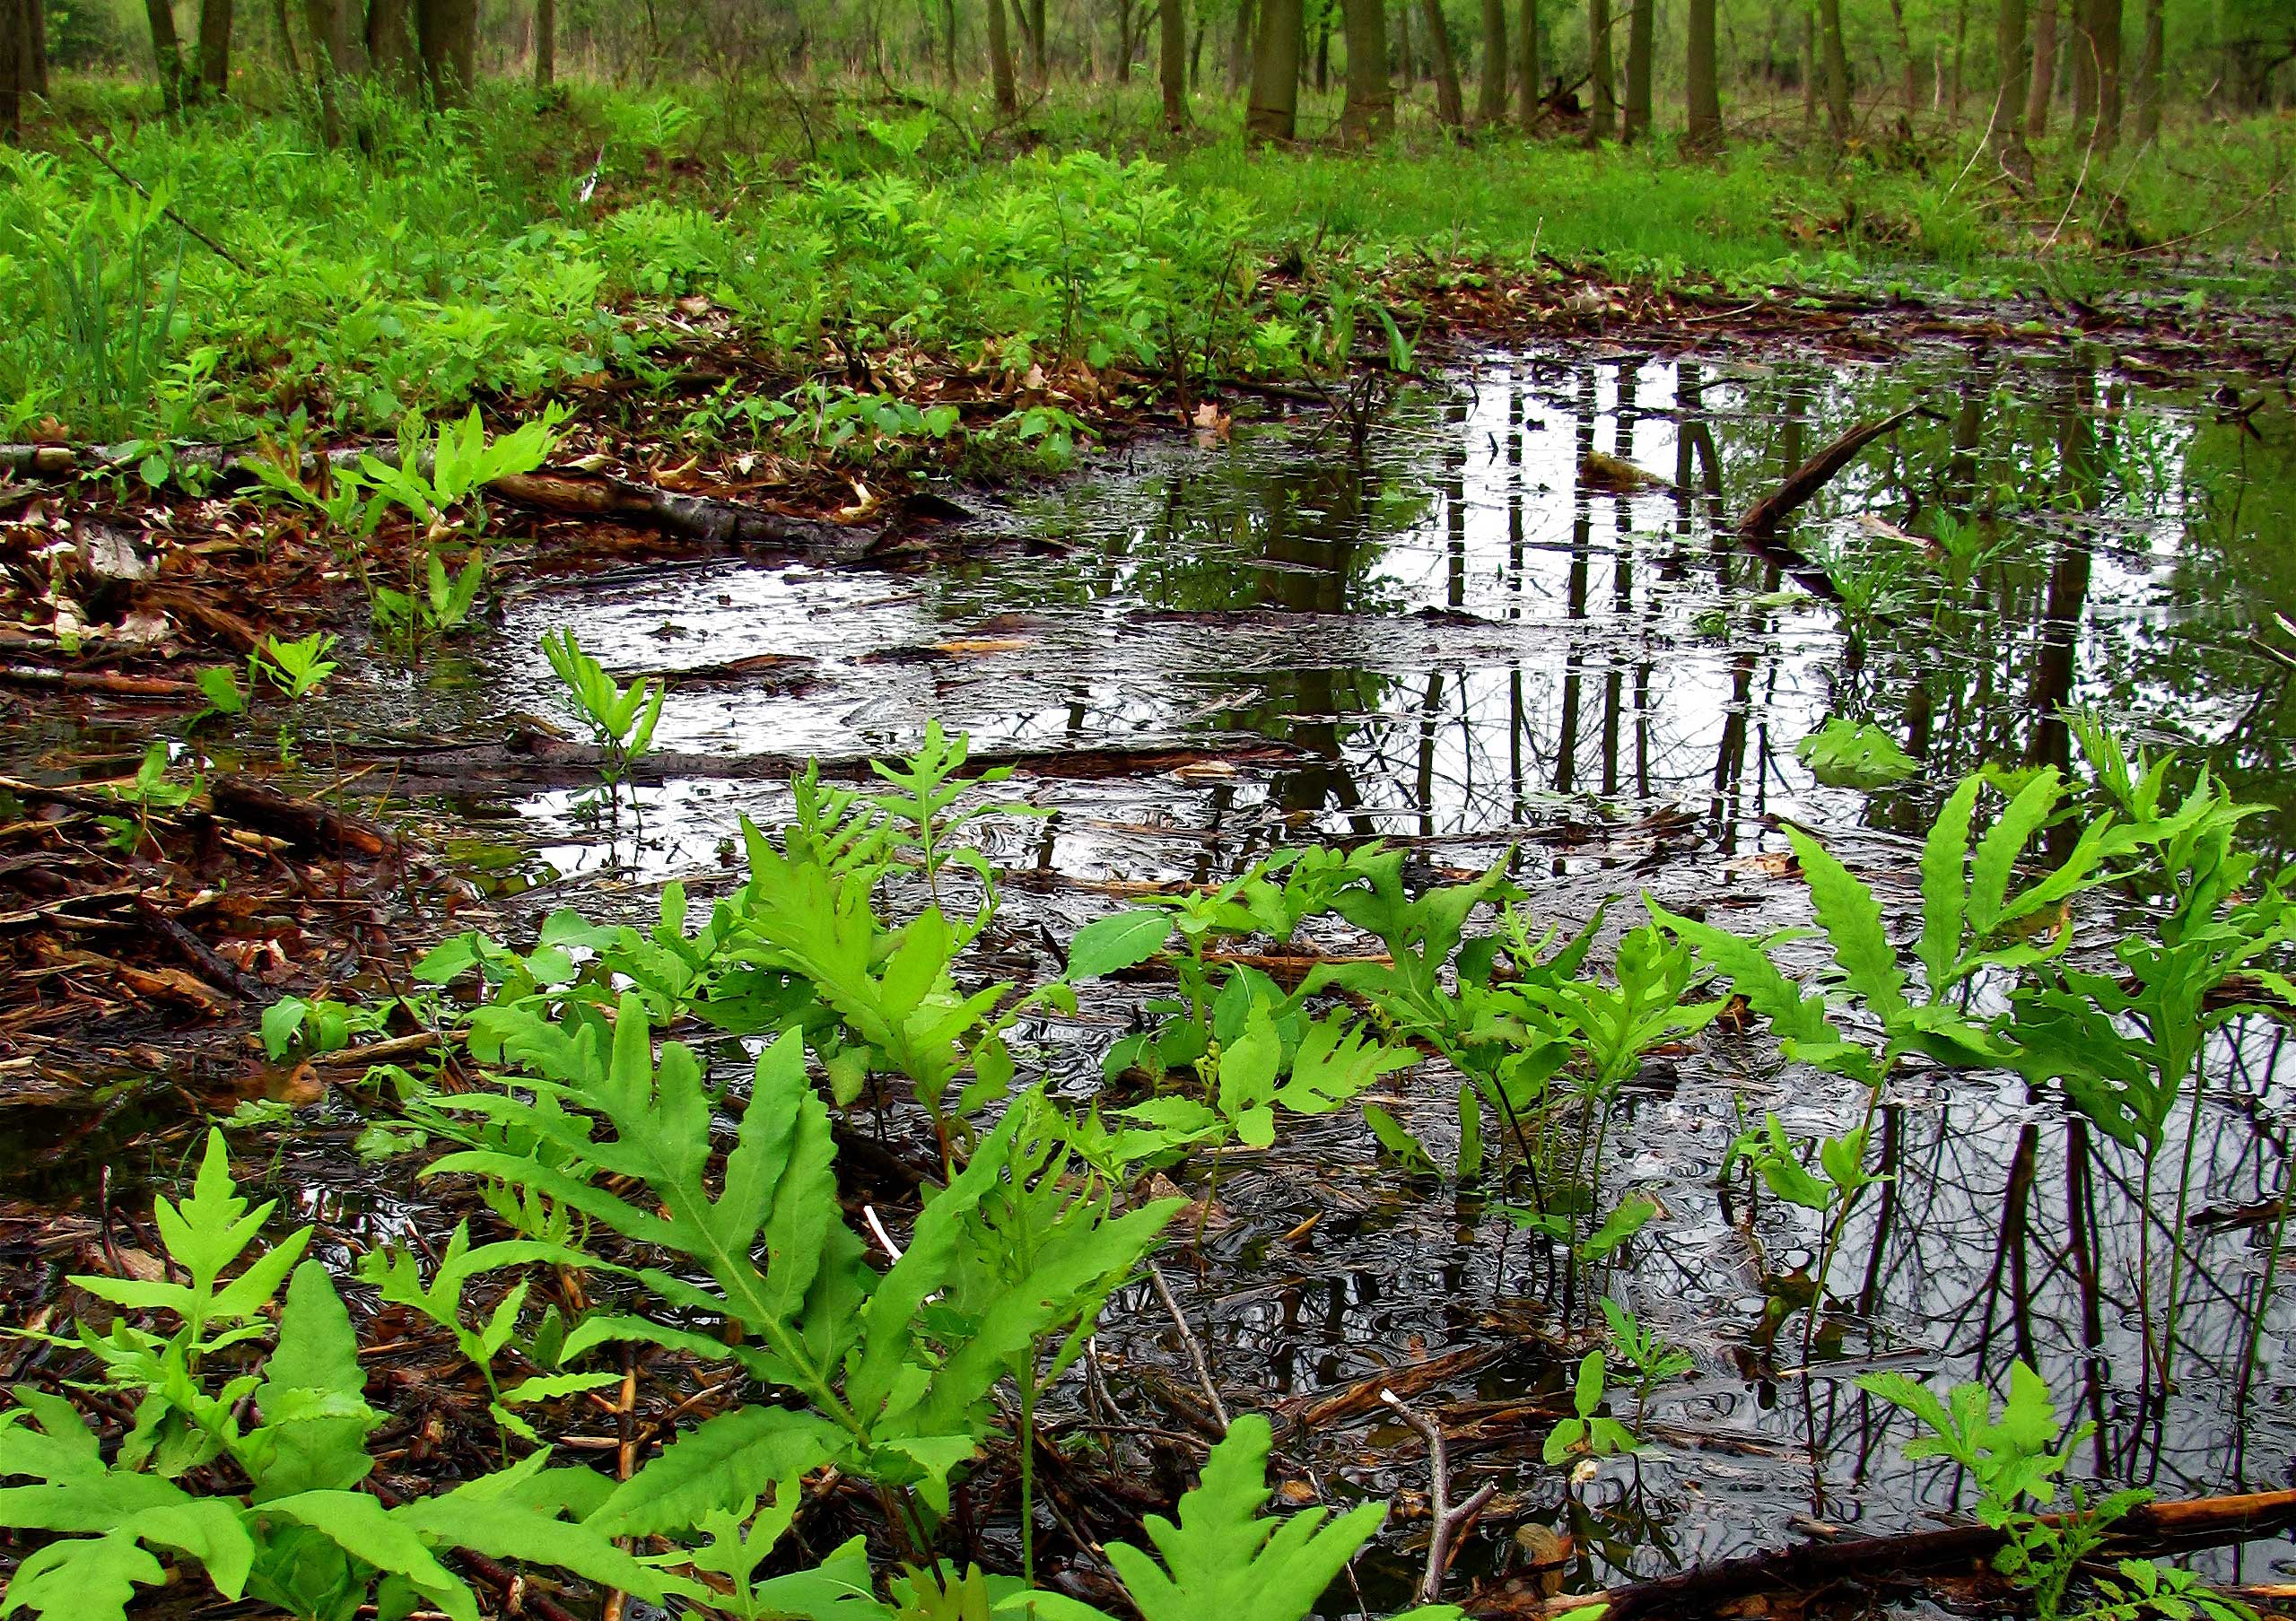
(1448,1521)
(190,229)
(1196,1356)
(868,1216)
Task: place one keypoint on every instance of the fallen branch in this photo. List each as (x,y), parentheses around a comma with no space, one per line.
(1701,1590)
(1196,1357)
(1763,518)
(311,824)
(115,682)
(1449,1522)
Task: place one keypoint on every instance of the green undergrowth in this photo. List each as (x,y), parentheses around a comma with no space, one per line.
(2089,936)
(529,248)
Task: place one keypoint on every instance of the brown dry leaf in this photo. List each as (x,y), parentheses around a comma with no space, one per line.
(977,647)
(142,1265)
(865,501)
(686,476)
(1204,770)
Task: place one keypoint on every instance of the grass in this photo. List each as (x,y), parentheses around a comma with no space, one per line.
(531,248)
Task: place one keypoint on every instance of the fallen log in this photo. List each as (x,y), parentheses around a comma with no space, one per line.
(2191,1523)
(118,683)
(314,825)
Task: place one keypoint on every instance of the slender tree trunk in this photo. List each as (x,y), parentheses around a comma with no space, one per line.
(34,71)
(1239,48)
(1809,71)
(1123,41)
(948,41)
(166,52)
(1038,53)
(2104,29)
(290,58)
(1527,66)
(390,47)
(2082,69)
(1369,114)
(1172,61)
(1323,56)
(2043,89)
(1960,50)
(1450,101)
(2010,92)
(1906,49)
(1490,101)
(1001,60)
(546,43)
(2150,65)
(1406,59)
(215,44)
(449,39)
(1837,65)
(1274,112)
(12,32)
(1704,130)
(1641,24)
(1602,110)
(1196,56)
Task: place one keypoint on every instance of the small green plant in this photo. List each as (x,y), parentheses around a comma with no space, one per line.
(621,717)
(1588,1432)
(917,822)
(149,791)
(1642,1351)
(296,669)
(2017,1460)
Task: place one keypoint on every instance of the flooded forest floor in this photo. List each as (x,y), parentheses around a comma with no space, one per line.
(1518,618)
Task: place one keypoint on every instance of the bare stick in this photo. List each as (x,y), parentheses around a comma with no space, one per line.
(1196,1357)
(1448,1521)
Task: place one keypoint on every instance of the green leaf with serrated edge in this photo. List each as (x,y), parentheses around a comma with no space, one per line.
(364,1529)
(1108,946)
(1852,918)
(92,1578)
(1996,857)
(1336,1063)
(511,1530)
(720,1464)
(1944,855)
(550,1387)
(1248,1065)
(1223,1559)
(1751,972)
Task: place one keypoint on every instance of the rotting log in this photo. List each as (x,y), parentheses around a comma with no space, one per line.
(311,824)
(2190,1523)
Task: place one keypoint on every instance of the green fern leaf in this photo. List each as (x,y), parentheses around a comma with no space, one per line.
(1852,919)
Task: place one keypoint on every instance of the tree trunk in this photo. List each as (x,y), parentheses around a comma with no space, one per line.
(166,52)
(1836,64)
(1641,23)
(1239,48)
(2044,78)
(2148,71)
(1406,60)
(449,38)
(1172,61)
(2104,29)
(12,31)
(948,41)
(1705,109)
(334,58)
(1001,60)
(1809,71)
(1527,69)
(1369,114)
(33,74)
(2009,93)
(1960,50)
(1450,101)
(1324,56)
(1274,112)
(1038,59)
(546,43)
(290,58)
(1602,110)
(2081,68)
(1123,41)
(215,44)
(1906,49)
(1196,56)
(390,48)
(1490,101)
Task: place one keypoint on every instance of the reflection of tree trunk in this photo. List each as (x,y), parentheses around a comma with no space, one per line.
(1424,784)
(1582,540)
(1730,753)
(1369,114)
(1885,1218)
(2051,691)
(2015,1227)
(2080,1206)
